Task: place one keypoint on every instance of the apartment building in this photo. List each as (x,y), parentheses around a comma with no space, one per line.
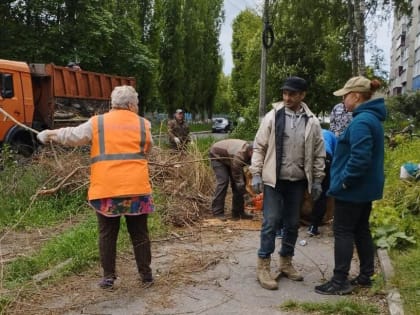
(405,53)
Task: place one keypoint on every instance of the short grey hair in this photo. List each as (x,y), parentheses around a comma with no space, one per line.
(124,95)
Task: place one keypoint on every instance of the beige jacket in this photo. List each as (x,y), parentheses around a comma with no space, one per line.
(263,161)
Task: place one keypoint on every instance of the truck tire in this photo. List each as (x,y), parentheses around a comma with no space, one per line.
(21,141)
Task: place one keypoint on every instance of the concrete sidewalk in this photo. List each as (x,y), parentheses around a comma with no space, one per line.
(227,283)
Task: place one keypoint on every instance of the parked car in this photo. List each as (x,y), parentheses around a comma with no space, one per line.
(221,125)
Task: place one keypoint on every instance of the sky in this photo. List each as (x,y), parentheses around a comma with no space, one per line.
(232,8)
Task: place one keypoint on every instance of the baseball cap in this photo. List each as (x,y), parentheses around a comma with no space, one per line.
(179,111)
(355,84)
(295,84)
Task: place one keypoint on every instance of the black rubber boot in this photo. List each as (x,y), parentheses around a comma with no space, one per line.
(242,216)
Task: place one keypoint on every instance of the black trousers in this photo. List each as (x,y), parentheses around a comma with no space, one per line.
(139,234)
(320,205)
(351,227)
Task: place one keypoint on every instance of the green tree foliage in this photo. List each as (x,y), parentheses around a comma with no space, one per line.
(222,103)
(202,22)
(403,109)
(171,47)
(246,53)
(212,64)
(172,61)
(310,42)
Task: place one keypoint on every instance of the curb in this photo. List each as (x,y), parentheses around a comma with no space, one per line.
(393,297)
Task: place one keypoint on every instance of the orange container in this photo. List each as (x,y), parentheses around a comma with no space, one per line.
(257,202)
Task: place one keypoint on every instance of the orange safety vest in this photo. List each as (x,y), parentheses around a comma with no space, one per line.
(119,168)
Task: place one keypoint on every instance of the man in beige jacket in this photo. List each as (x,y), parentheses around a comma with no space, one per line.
(288,157)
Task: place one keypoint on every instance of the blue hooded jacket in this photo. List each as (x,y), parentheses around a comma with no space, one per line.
(358,161)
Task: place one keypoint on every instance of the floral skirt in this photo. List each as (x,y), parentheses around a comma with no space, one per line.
(114,207)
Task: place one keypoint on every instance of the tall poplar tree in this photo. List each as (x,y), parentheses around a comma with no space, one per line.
(246,53)
(171,81)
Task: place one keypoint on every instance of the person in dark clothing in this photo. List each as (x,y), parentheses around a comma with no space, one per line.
(357,179)
(228,158)
(320,205)
(178,131)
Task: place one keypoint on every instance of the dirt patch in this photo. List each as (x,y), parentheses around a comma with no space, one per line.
(15,244)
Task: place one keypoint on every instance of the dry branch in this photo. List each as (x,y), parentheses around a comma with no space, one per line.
(63,181)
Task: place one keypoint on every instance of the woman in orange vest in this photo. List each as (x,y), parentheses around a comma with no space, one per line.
(119,177)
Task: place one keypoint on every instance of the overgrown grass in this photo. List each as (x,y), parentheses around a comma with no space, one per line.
(395,217)
(18,185)
(396,224)
(79,243)
(407,278)
(341,307)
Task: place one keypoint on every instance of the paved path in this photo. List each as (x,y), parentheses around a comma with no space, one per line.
(226,282)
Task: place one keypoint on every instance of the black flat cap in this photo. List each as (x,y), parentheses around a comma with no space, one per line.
(295,84)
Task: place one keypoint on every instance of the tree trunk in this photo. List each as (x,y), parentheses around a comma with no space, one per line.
(357,29)
(352,37)
(359,22)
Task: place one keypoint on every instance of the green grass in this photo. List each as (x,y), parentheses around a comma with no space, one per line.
(18,184)
(407,278)
(341,307)
(396,225)
(80,243)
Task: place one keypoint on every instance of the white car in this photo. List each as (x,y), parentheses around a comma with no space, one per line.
(221,125)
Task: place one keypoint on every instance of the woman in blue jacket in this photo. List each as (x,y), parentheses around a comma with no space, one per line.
(357,179)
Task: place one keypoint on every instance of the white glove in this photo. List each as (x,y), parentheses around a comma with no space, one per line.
(47,136)
(177,141)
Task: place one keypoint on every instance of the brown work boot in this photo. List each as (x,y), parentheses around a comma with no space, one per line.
(287,269)
(264,275)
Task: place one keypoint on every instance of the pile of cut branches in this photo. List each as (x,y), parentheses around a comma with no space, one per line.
(183,180)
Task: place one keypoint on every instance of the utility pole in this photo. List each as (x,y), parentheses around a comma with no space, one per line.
(267,42)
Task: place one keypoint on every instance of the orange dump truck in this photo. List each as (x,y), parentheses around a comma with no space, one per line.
(46,96)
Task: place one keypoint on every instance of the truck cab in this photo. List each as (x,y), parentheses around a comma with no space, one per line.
(16,98)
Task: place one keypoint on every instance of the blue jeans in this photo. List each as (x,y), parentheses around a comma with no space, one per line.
(281,204)
(351,227)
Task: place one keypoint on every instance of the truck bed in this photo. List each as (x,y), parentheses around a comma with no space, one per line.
(64,96)
(68,83)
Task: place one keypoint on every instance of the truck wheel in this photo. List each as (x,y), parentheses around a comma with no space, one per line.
(23,148)
(21,141)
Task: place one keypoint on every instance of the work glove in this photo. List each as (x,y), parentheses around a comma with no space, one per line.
(177,141)
(316,190)
(257,185)
(46,136)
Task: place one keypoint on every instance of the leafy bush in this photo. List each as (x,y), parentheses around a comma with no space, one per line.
(395,222)
(403,110)
(246,130)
